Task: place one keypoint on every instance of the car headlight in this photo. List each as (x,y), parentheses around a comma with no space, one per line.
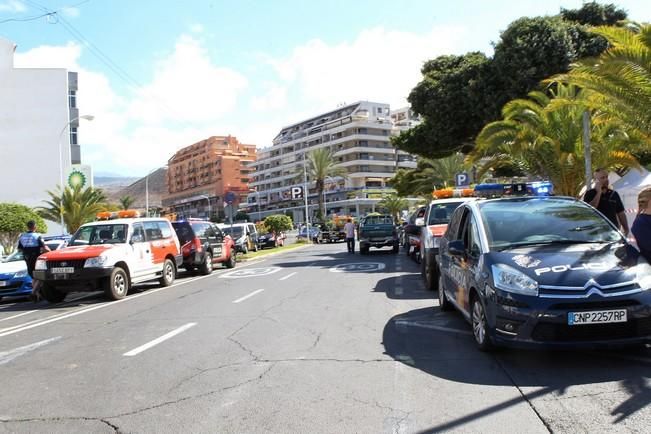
(643,274)
(511,280)
(98,261)
(41,264)
(20,274)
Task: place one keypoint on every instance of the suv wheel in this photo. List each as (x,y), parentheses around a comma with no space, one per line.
(396,247)
(206,266)
(117,284)
(432,277)
(479,325)
(245,249)
(232,260)
(444,303)
(169,273)
(51,294)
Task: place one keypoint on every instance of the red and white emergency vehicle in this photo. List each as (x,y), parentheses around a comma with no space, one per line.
(111,254)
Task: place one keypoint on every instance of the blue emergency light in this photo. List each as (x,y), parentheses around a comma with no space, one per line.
(537,188)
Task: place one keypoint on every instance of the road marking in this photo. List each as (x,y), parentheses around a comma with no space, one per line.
(358,267)
(253,272)
(8,356)
(157,341)
(247,296)
(288,276)
(16,316)
(432,327)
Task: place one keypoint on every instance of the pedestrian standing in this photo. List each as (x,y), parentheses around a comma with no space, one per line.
(32,245)
(641,228)
(607,200)
(349,229)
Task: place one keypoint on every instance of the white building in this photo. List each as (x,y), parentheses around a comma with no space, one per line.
(36,132)
(357,135)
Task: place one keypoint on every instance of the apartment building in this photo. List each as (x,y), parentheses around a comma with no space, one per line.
(39,122)
(357,135)
(200,175)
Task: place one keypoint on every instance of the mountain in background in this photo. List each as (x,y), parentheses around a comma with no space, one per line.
(117,187)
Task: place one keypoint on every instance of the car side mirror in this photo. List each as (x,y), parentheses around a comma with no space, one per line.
(456,248)
(420,221)
(136,239)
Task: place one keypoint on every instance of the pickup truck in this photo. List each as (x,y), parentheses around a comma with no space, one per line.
(377,231)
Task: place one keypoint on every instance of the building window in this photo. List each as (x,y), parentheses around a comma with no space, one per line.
(73,135)
(379,109)
(72,98)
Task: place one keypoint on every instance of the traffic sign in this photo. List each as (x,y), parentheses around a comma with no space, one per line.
(229,197)
(461,179)
(296,192)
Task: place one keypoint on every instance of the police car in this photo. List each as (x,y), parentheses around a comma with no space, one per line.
(111,254)
(543,271)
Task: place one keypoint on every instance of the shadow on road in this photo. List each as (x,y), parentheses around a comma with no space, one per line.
(441,344)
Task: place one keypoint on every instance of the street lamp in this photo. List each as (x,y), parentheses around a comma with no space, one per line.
(208,199)
(85,117)
(307,211)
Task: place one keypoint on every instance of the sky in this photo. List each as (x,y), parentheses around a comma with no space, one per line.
(159,75)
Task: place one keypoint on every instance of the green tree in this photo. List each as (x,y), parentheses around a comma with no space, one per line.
(595,14)
(241,216)
(78,206)
(543,135)
(428,174)
(321,165)
(277,223)
(126,202)
(393,204)
(13,222)
(619,80)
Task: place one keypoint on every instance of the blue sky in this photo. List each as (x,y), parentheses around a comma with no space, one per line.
(175,72)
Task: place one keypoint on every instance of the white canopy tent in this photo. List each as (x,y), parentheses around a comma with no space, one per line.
(628,187)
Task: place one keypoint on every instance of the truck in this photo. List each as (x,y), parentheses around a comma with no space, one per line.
(378,230)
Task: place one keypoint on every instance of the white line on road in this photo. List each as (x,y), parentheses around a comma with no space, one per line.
(432,327)
(288,276)
(8,356)
(247,296)
(16,316)
(157,341)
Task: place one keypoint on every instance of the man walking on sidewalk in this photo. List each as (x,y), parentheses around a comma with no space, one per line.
(349,229)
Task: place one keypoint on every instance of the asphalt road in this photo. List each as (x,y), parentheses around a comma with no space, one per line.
(313,340)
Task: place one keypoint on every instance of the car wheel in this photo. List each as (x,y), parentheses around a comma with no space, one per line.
(479,325)
(396,248)
(363,250)
(232,260)
(169,273)
(117,284)
(206,266)
(51,294)
(432,277)
(255,246)
(245,249)
(444,303)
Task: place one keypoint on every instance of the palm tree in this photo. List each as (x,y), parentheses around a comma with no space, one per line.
(78,206)
(619,80)
(543,136)
(393,205)
(428,174)
(321,165)
(126,201)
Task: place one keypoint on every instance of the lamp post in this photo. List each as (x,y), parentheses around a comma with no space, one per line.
(307,211)
(209,208)
(88,118)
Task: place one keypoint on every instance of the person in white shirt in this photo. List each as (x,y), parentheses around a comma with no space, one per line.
(349,229)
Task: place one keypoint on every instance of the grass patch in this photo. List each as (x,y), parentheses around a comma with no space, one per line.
(263,252)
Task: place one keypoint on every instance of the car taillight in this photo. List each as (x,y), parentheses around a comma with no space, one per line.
(196,243)
(186,249)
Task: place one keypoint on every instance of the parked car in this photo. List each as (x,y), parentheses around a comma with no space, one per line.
(245,236)
(111,255)
(378,230)
(314,234)
(14,280)
(203,244)
(411,236)
(271,239)
(544,271)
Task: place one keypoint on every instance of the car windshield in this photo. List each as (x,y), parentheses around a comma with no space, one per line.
(440,213)
(378,220)
(99,234)
(234,231)
(544,221)
(14,257)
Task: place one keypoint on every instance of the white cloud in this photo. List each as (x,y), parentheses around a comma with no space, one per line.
(196,28)
(12,6)
(70,12)
(379,65)
(187,87)
(275,98)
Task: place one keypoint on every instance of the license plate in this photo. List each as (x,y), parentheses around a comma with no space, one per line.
(4,283)
(63,270)
(217,251)
(596,317)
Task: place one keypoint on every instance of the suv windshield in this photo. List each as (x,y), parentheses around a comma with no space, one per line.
(236,231)
(100,234)
(544,221)
(440,213)
(378,220)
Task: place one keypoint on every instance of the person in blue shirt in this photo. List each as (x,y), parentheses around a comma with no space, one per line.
(641,228)
(32,245)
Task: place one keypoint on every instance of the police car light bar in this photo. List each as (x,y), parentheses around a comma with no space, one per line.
(446,193)
(122,214)
(537,188)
